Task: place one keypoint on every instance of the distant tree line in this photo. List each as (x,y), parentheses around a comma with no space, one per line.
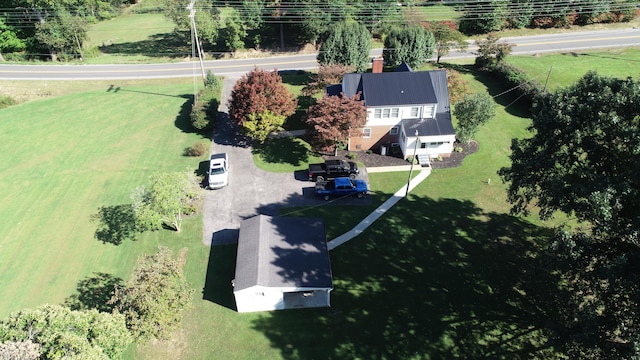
(481,17)
(54,29)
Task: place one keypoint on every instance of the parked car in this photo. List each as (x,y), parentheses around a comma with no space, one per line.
(342,186)
(332,169)
(218,175)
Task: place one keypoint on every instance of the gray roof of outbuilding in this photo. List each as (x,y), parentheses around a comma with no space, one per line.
(282,252)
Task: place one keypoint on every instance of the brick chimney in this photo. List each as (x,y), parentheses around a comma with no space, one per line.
(377,64)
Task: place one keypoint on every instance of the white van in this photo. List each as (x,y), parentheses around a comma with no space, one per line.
(218,171)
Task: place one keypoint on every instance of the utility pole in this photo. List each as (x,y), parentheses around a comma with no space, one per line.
(192,16)
(547,81)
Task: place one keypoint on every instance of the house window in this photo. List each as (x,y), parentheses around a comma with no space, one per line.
(423,145)
(366,132)
(430,112)
(386,113)
(436,143)
(395,144)
(393,131)
(403,137)
(414,111)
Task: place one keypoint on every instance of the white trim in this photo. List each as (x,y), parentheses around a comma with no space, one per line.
(366,133)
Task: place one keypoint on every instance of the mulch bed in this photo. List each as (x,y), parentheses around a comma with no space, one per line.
(376,160)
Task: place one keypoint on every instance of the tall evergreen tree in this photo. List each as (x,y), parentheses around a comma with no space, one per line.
(346,43)
(411,44)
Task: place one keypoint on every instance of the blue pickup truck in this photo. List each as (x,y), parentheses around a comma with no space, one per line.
(342,186)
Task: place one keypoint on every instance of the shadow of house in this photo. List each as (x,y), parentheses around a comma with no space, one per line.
(282,263)
(217,286)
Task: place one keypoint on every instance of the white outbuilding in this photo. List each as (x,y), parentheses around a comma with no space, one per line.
(282,263)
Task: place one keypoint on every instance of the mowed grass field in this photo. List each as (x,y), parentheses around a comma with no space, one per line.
(62,158)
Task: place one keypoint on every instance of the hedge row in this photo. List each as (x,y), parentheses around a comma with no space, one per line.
(525,87)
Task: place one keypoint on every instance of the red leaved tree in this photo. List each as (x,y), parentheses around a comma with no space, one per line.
(333,119)
(257,92)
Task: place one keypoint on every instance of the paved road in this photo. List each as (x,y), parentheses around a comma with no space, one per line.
(569,41)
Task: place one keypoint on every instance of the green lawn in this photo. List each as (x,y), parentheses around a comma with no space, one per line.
(566,68)
(151,41)
(61,159)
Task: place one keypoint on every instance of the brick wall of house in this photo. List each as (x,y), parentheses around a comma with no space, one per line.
(379,136)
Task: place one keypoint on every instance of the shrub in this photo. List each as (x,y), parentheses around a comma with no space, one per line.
(205,109)
(6,101)
(352,156)
(513,77)
(198,116)
(197,149)
(211,81)
(458,149)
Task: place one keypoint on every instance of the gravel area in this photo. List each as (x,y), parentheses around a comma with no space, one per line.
(376,160)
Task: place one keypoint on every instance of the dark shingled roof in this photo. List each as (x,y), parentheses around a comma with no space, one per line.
(442,124)
(282,252)
(392,88)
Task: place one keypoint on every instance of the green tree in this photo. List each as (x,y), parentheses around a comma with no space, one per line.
(156,294)
(411,44)
(446,38)
(346,43)
(64,333)
(62,35)
(258,91)
(481,17)
(491,51)
(333,119)
(472,112)
(170,196)
(583,155)
(234,32)
(206,17)
(582,160)
(9,41)
(258,126)
(520,13)
(253,21)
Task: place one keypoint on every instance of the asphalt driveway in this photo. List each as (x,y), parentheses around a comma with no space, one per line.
(251,191)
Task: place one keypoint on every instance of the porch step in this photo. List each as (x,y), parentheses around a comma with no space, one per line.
(423,160)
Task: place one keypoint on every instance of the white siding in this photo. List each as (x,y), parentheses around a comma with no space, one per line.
(404,112)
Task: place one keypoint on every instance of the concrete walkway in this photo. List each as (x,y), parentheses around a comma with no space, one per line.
(377,213)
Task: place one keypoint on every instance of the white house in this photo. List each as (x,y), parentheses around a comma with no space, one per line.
(398,104)
(282,263)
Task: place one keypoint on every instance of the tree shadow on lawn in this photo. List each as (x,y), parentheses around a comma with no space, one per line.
(514,105)
(94,292)
(283,151)
(115,224)
(158,45)
(433,279)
